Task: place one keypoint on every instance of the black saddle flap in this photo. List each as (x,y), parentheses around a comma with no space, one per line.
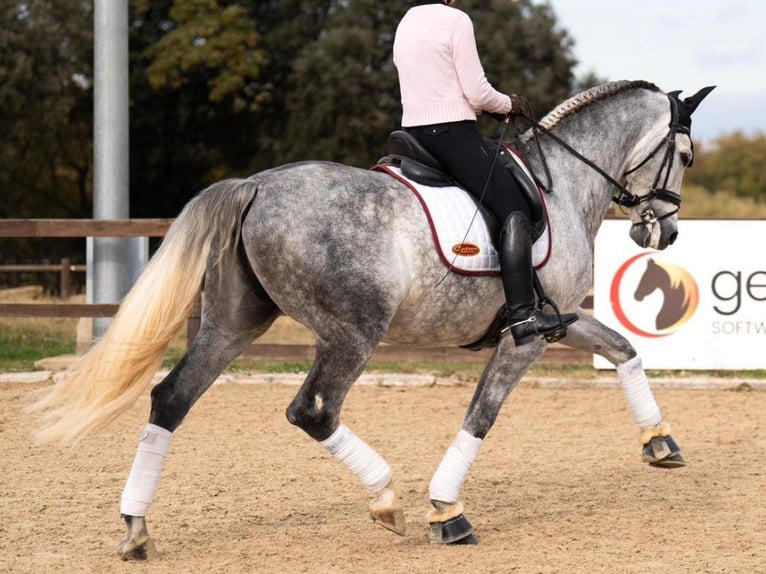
(423,174)
(527,187)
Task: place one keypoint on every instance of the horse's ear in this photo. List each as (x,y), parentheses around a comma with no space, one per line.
(692,102)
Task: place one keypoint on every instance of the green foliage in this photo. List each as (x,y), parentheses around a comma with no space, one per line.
(344,98)
(523,51)
(45,116)
(45,106)
(194,73)
(735,165)
(218,44)
(699,202)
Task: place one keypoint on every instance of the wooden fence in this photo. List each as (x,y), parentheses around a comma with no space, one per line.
(158,228)
(74,228)
(64,269)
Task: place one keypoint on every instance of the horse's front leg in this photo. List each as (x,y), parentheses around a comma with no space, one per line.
(589,334)
(447,521)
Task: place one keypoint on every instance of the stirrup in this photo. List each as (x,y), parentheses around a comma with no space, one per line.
(556,335)
(561,331)
(551,336)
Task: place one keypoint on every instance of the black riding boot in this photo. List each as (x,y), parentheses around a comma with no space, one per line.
(525,320)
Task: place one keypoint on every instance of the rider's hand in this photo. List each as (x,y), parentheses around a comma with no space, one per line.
(519,106)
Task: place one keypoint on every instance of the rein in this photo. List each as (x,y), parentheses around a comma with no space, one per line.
(623,197)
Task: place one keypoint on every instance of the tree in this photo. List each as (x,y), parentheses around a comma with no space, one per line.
(288,28)
(46,103)
(344,97)
(523,50)
(734,164)
(45,117)
(195,68)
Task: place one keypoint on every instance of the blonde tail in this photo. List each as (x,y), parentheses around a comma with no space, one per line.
(111,376)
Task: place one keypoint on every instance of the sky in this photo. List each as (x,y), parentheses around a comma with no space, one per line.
(679,45)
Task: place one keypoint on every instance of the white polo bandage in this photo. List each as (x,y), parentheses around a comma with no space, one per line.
(643,407)
(374,472)
(144,476)
(453,469)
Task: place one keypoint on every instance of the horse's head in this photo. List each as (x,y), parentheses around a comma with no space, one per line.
(650,280)
(655,173)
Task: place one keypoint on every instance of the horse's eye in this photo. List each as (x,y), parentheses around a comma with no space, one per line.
(686,158)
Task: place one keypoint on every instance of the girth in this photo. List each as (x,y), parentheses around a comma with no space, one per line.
(419,165)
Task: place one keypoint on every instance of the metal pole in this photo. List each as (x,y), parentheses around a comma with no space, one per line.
(111,278)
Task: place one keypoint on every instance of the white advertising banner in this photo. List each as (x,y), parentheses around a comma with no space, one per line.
(699,304)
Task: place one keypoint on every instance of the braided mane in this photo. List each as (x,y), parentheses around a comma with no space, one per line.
(583,99)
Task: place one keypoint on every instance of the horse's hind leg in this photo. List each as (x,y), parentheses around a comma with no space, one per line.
(502,373)
(236,310)
(589,334)
(316,409)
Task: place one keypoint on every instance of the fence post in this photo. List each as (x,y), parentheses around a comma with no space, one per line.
(65,280)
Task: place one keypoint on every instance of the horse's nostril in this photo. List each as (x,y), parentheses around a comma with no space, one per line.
(672,238)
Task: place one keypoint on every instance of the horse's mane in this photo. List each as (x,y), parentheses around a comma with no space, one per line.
(584,99)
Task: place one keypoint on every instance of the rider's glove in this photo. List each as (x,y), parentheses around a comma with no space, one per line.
(519,106)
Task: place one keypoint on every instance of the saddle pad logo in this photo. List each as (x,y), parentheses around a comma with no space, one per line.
(466,249)
(639,309)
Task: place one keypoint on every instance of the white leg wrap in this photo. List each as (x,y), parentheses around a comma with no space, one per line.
(374,472)
(646,413)
(453,469)
(138,494)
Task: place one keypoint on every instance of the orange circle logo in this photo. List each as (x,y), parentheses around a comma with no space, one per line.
(680,296)
(466,249)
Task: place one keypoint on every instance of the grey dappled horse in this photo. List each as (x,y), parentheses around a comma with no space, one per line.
(348,253)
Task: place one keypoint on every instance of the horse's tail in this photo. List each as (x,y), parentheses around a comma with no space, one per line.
(111,376)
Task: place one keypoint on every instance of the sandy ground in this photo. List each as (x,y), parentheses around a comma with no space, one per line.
(558,487)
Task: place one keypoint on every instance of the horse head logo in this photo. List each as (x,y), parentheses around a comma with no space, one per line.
(680,295)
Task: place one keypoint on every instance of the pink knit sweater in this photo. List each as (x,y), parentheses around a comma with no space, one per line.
(440,75)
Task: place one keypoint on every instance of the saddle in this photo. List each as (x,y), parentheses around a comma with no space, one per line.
(417,164)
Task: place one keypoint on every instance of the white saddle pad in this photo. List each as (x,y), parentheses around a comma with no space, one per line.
(460,233)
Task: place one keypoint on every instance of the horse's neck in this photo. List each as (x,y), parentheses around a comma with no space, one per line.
(589,193)
(606,143)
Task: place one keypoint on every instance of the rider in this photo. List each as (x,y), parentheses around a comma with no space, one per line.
(443,86)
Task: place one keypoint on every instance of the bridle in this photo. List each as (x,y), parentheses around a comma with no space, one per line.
(627,199)
(622,196)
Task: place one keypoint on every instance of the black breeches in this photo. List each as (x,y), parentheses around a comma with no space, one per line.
(466,156)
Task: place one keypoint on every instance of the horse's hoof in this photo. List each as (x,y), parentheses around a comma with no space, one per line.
(137,545)
(453,531)
(663,452)
(450,526)
(392,520)
(675,461)
(469,540)
(386,510)
(135,551)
